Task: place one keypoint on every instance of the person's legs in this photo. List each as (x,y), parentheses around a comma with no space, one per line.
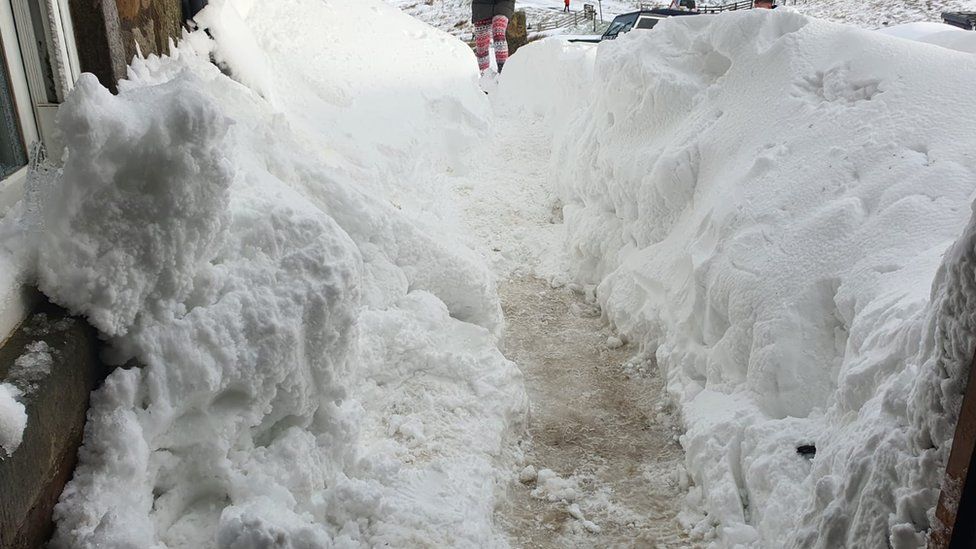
(482,42)
(499,24)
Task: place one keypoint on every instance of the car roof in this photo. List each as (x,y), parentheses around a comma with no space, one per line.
(658,11)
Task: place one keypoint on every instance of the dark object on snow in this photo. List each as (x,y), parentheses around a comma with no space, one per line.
(192,7)
(486,9)
(807,450)
(648,19)
(644,19)
(962,19)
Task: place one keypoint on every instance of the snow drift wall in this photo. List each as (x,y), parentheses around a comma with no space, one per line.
(765,201)
(316,368)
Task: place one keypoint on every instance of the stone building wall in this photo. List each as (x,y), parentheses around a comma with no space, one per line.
(108,33)
(149,24)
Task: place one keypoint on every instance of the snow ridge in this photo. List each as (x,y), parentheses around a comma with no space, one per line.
(764,200)
(312,358)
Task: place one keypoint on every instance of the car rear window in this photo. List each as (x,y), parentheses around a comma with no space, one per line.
(647,22)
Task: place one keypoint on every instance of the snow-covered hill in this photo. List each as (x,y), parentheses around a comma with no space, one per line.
(875,14)
(454,15)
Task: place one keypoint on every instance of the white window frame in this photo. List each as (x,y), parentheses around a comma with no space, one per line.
(12,187)
(35,113)
(59,40)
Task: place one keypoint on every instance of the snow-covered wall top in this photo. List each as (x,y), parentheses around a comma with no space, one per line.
(765,201)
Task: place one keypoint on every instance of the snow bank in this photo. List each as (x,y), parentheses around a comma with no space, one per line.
(318,367)
(765,201)
(878,13)
(935,33)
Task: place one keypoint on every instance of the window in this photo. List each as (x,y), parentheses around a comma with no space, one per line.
(38,66)
(647,22)
(13,152)
(621,24)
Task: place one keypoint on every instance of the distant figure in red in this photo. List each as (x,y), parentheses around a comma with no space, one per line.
(490,18)
(567,5)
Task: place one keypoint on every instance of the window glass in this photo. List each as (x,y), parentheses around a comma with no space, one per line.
(647,22)
(621,24)
(13,155)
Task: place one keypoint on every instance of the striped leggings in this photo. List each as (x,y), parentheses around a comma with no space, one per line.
(487,31)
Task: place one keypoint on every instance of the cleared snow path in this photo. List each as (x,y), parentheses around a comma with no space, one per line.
(604,431)
(602,465)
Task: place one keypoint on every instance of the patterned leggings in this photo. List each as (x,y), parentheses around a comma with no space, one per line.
(487,31)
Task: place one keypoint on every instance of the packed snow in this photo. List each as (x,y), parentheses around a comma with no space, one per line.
(13,419)
(766,201)
(937,34)
(278,251)
(32,367)
(318,354)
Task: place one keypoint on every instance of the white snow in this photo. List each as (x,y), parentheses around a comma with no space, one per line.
(765,201)
(762,200)
(31,367)
(319,352)
(934,33)
(874,14)
(21,381)
(528,474)
(551,487)
(13,420)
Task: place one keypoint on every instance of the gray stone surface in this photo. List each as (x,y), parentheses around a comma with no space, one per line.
(31,480)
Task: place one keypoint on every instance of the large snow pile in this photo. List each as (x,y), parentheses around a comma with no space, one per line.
(875,14)
(765,201)
(318,367)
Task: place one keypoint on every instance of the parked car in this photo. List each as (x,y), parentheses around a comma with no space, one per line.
(961,19)
(643,19)
(647,19)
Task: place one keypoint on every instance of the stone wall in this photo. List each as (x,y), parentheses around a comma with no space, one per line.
(32,479)
(149,24)
(99,41)
(110,32)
